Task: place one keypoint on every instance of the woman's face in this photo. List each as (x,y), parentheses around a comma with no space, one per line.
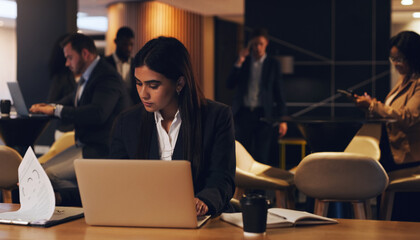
(156,92)
(398,60)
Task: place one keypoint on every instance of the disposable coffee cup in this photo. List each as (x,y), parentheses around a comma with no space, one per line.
(5,106)
(254,214)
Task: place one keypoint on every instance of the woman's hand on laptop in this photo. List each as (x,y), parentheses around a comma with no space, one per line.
(42,108)
(201,207)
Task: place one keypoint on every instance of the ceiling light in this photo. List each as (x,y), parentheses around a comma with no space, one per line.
(406,2)
(8,9)
(82,14)
(416,15)
(97,23)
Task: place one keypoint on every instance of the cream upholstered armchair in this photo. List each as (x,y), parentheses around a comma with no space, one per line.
(354,175)
(61,144)
(343,177)
(10,160)
(404,180)
(366,142)
(251,174)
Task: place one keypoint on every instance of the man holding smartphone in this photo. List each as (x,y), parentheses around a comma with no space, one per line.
(257,79)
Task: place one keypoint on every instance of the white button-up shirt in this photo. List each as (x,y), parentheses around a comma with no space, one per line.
(123,69)
(167,140)
(252,98)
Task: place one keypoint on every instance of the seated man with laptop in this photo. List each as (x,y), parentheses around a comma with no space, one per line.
(100,96)
(176,122)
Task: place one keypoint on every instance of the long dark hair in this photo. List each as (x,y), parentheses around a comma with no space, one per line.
(408,43)
(169,57)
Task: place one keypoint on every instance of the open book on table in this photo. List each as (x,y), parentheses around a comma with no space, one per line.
(280,217)
(37,200)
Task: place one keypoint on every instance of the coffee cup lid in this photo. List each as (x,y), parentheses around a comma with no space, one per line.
(252,198)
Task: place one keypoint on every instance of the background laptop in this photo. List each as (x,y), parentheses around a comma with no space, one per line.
(142,193)
(19,102)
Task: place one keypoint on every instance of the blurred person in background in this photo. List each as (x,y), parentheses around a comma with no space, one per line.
(92,107)
(257,79)
(400,141)
(63,82)
(122,61)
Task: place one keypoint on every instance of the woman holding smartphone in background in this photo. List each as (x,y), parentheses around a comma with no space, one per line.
(176,122)
(400,143)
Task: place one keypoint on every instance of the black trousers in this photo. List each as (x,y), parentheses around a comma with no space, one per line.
(255,135)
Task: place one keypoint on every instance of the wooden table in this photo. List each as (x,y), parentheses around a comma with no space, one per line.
(216,229)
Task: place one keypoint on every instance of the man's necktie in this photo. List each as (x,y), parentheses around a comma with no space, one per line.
(79,88)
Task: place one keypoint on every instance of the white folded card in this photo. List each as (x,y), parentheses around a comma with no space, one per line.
(280,217)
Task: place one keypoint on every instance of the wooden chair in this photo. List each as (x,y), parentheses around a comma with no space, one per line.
(343,177)
(61,144)
(10,160)
(251,174)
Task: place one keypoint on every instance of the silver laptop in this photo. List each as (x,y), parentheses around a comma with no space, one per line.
(19,102)
(139,193)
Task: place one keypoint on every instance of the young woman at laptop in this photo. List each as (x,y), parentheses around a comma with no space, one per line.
(176,122)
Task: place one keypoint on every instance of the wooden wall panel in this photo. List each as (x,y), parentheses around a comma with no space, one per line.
(150,19)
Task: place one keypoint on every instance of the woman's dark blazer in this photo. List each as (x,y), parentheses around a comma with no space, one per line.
(215,184)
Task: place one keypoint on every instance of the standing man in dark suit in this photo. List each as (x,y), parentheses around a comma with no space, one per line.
(257,79)
(122,61)
(99,97)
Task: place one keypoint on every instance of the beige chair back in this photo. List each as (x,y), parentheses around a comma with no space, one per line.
(244,160)
(10,160)
(65,141)
(364,145)
(372,130)
(366,141)
(340,176)
(251,174)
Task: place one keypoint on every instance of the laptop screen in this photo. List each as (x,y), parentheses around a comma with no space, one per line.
(19,102)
